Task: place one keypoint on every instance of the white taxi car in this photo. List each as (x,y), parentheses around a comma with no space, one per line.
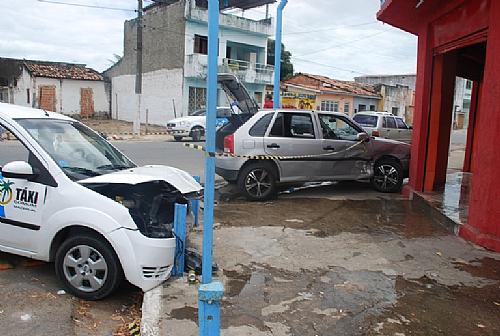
(68,196)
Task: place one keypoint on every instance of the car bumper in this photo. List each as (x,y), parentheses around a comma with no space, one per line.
(177,131)
(146,262)
(229,168)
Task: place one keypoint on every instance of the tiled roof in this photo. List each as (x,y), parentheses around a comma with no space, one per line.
(326,84)
(62,70)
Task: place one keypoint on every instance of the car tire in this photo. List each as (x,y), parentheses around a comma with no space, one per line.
(177,138)
(88,267)
(387,176)
(197,133)
(257,182)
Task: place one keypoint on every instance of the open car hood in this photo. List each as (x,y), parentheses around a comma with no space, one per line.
(238,93)
(177,178)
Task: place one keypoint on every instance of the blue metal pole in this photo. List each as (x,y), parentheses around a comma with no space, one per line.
(180,212)
(208,219)
(277,54)
(210,293)
(195,206)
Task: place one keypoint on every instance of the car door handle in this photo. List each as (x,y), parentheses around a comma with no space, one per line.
(328,148)
(273,145)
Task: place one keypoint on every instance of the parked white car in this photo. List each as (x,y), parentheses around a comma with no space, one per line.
(68,196)
(194,125)
(384,125)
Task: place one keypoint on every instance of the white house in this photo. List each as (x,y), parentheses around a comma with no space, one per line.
(175,59)
(67,88)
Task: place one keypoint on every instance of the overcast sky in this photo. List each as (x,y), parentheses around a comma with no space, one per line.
(335,38)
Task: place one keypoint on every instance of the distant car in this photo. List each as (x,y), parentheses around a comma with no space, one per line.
(384,125)
(194,125)
(306,146)
(68,196)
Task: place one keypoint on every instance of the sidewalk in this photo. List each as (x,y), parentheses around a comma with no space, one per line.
(333,267)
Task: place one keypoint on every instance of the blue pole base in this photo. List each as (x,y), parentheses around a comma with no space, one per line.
(209,303)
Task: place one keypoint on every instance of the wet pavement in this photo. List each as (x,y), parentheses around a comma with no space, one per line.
(32,304)
(341,267)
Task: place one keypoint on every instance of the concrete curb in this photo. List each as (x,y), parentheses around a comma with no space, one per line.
(152,312)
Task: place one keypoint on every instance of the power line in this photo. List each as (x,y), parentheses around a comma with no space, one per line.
(87,6)
(330,28)
(329,66)
(344,44)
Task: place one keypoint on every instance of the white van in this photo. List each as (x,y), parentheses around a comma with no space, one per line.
(68,196)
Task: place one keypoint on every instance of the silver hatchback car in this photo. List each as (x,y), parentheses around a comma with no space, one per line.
(304,146)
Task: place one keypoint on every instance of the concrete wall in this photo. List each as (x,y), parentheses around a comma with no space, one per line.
(161,89)
(163,41)
(393,80)
(400,97)
(365,101)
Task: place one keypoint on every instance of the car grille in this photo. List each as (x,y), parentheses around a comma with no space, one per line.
(156,272)
(170,125)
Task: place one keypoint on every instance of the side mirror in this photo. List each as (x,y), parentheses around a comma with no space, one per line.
(410,127)
(18,169)
(363,137)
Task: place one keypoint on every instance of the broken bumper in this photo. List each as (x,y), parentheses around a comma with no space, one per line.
(146,262)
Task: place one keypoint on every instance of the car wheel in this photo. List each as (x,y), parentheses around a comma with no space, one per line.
(197,133)
(88,267)
(387,176)
(177,138)
(257,182)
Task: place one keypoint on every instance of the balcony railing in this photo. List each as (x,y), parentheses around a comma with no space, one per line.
(247,72)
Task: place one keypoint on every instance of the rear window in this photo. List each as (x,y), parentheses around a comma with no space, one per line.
(260,127)
(366,120)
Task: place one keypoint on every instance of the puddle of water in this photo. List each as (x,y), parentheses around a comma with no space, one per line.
(185,313)
(428,308)
(331,217)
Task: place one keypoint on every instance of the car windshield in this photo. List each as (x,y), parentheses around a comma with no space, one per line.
(366,120)
(199,113)
(79,151)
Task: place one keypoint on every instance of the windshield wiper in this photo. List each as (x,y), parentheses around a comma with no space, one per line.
(112,167)
(83,171)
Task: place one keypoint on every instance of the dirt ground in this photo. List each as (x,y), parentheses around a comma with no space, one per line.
(329,267)
(32,304)
(117,127)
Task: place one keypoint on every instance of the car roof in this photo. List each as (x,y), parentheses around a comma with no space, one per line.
(340,114)
(10,112)
(376,113)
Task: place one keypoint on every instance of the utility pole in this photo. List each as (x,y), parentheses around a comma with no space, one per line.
(138,75)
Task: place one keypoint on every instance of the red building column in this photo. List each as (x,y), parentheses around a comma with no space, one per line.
(483,226)
(438,140)
(422,107)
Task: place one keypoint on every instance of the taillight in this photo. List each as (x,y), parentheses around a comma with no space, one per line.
(229,144)
(375,133)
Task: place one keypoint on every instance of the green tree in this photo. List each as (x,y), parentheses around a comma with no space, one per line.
(286,59)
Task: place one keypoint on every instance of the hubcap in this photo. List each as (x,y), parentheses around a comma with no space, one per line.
(85,268)
(258,182)
(386,177)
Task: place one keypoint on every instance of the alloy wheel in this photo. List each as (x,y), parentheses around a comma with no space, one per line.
(258,182)
(386,177)
(85,268)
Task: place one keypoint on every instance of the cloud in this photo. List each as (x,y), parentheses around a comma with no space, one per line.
(339,39)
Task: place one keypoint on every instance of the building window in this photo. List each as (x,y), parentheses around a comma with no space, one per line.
(329,105)
(27,96)
(468,85)
(372,107)
(200,44)
(197,99)
(395,111)
(347,108)
(361,107)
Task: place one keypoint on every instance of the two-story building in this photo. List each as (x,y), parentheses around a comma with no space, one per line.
(175,48)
